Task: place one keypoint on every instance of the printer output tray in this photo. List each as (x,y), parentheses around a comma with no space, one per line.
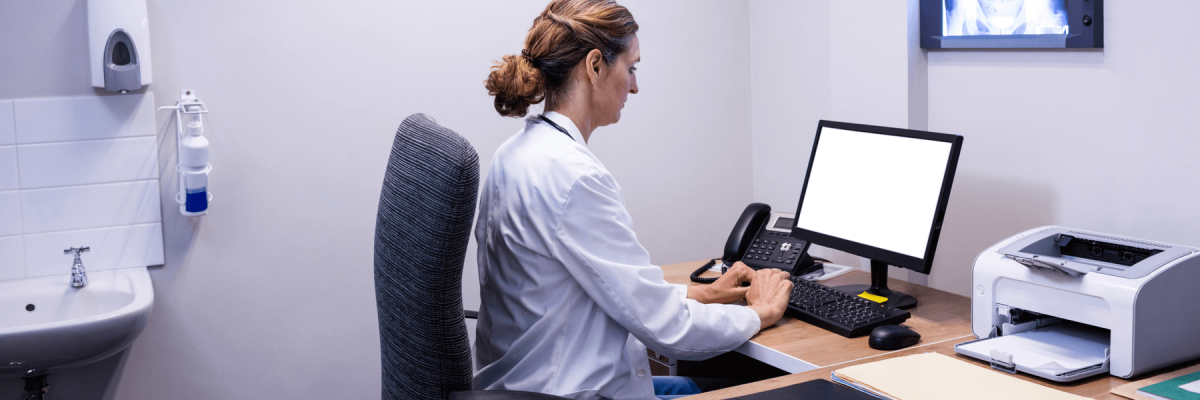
(1063,353)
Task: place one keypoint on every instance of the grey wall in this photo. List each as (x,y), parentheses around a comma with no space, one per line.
(790,91)
(810,64)
(1091,139)
(271,294)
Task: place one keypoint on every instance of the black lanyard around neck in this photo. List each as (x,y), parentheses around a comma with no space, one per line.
(560,129)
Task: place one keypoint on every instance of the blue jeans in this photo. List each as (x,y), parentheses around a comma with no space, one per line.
(674,387)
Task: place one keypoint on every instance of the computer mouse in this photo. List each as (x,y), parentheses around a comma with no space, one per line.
(892,337)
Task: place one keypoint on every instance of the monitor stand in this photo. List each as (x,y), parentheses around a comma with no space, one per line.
(878,287)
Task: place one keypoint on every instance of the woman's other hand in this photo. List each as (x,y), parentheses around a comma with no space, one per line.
(768,296)
(730,287)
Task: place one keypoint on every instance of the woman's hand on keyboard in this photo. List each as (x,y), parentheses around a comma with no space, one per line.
(768,296)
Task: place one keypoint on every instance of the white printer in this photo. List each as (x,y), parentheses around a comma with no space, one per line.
(1065,304)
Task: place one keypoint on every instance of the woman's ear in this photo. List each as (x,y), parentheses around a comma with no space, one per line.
(595,64)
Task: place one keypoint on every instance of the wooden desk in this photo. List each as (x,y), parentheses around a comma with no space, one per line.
(943,320)
(938,317)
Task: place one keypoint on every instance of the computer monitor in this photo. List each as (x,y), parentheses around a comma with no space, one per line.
(878,193)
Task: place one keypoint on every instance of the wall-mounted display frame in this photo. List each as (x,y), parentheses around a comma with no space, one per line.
(1012,24)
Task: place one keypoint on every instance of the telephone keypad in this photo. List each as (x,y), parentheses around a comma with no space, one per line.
(763,252)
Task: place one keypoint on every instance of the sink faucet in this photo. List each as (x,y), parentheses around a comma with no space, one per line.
(78,277)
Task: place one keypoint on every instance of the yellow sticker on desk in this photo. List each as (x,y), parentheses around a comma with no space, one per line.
(874,298)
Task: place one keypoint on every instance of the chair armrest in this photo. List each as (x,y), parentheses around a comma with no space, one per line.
(471,314)
(502,395)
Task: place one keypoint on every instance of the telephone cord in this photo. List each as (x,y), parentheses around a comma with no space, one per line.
(696,275)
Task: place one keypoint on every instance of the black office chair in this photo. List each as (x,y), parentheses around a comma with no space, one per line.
(424,221)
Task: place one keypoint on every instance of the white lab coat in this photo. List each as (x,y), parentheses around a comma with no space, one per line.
(568,295)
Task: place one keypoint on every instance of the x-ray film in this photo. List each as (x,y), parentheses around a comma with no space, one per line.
(1004,17)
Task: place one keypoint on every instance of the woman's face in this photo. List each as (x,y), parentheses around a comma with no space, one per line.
(617,81)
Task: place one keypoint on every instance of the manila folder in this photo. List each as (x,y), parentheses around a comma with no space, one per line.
(933,376)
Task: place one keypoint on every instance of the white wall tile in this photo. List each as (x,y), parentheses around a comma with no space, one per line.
(90,206)
(8,168)
(12,258)
(83,171)
(92,161)
(10,213)
(83,118)
(111,248)
(8,133)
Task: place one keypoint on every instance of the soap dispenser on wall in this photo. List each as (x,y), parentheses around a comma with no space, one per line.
(119,44)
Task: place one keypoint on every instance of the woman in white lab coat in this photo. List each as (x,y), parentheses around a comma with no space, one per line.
(570,300)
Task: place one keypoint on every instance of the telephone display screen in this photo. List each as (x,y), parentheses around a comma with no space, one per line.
(878,190)
(784,223)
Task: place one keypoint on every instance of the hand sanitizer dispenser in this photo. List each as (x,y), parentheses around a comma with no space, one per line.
(193,157)
(119,44)
(193,168)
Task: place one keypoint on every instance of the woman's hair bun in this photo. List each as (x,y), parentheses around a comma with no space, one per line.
(561,37)
(517,84)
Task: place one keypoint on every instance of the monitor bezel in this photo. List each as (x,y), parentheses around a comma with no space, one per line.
(922,265)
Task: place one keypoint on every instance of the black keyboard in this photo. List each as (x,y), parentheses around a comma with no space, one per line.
(839,312)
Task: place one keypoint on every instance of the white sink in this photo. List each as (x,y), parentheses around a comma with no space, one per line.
(69,326)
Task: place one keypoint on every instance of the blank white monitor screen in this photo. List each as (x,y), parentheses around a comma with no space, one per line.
(874,189)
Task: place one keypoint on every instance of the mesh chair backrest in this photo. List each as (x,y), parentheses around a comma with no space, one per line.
(424,222)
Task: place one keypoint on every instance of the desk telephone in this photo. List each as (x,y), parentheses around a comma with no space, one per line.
(760,239)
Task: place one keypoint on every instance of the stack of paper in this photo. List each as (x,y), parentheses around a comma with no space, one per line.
(932,376)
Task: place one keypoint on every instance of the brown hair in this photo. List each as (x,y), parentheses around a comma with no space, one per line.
(560,38)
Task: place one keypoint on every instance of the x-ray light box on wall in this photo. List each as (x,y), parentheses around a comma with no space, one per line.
(119,44)
(1020,24)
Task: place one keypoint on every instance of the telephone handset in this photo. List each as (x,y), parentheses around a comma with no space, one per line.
(760,239)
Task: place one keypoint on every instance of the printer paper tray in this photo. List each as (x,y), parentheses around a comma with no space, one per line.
(1064,352)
